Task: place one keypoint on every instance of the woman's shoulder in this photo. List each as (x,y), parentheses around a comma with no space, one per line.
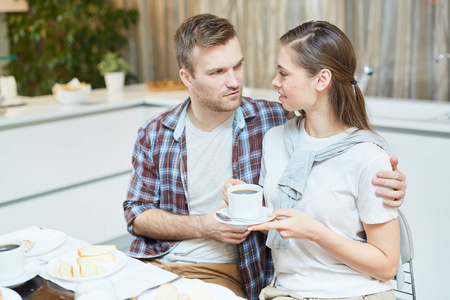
(275,132)
(369,155)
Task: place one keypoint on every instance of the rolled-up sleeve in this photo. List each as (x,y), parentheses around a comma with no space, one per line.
(144,183)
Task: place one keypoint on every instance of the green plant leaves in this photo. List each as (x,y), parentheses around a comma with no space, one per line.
(58,40)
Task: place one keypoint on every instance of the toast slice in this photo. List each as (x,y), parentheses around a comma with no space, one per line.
(98,259)
(96,250)
(167,291)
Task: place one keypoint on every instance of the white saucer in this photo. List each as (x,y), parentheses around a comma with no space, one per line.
(9,294)
(32,268)
(243,223)
(45,239)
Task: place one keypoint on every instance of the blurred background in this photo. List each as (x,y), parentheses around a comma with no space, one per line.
(406,42)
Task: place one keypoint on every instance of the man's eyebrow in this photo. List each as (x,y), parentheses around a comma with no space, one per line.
(221,68)
(281,67)
(240,62)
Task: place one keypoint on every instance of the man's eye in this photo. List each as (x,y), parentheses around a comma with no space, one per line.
(282,74)
(216,72)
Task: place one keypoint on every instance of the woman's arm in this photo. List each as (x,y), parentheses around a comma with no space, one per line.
(377,258)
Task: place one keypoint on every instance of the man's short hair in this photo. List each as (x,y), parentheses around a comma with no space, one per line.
(203,30)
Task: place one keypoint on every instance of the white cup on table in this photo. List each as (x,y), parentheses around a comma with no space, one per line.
(12,258)
(245,201)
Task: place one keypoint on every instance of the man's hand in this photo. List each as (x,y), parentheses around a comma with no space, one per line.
(222,232)
(229,183)
(391,179)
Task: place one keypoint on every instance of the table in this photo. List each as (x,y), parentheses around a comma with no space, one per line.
(133,277)
(39,288)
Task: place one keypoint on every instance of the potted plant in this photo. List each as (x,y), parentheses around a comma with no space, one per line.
(113,67)
(57,41)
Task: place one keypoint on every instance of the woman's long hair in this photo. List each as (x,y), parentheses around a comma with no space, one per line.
(318,45)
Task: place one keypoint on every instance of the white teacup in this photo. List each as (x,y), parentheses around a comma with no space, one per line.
(12,258)
(245,201)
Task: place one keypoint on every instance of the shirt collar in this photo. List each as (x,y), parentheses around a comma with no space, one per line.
(181,124)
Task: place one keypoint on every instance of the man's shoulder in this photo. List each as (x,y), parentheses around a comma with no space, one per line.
(262,103)
(168,117)
(270,111)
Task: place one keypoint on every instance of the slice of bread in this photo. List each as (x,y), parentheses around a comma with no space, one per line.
(67,271)
(85,270)
(183,297)
(96,250)
(167,291)
(57,267)
(98,259)
(201,293)
(76,271)
(101,270)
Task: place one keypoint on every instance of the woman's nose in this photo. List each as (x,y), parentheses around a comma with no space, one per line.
(276,82)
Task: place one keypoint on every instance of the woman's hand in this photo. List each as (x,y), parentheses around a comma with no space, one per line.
(291,224)
(228,183)
(391,179)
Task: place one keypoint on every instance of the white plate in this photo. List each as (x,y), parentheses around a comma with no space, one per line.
(244,224)
(45,239)
(32,268)
(71,258)
(9,294)
(217,292)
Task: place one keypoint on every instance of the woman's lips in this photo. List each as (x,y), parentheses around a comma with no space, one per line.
(281,97)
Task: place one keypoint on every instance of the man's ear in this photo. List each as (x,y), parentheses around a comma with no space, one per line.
(186,77)
(323,79)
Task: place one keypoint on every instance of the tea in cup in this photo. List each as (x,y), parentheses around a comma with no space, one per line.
(12,258)
(245,201)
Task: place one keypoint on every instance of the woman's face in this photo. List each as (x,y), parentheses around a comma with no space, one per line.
(295,86)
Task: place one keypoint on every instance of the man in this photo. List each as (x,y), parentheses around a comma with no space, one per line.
(182,158)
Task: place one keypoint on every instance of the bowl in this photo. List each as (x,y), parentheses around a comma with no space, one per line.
(71,93)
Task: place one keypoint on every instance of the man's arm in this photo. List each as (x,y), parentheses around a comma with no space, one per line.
(145,218)
(395,180)
(163,225)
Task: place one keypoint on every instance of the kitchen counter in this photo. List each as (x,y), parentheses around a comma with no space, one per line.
(403,114)
(46,108)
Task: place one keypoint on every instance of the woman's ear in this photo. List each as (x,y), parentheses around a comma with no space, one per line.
(186,77)
(323,79)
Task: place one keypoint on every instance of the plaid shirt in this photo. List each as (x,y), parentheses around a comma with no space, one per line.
(159,179)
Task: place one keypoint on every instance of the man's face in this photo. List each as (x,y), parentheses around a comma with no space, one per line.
(217,85)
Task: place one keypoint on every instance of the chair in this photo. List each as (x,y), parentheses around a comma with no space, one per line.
(407,255)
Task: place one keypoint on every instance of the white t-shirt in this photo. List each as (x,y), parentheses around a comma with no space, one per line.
(209,157)
(339,194)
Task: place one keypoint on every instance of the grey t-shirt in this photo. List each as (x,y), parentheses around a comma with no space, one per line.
(209,165)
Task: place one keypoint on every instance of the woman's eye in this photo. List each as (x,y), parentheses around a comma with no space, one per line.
(283,74)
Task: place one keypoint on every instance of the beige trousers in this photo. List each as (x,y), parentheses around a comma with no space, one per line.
(226,275)
(272,293)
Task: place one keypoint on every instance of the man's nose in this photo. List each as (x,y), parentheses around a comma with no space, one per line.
(233,79)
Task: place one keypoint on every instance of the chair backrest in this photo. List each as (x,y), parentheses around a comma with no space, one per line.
(406,241)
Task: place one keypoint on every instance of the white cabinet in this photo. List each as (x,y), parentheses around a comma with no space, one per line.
(70,174)
(424,158)
(91,212)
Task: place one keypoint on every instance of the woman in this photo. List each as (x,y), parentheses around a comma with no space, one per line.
(332,237)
